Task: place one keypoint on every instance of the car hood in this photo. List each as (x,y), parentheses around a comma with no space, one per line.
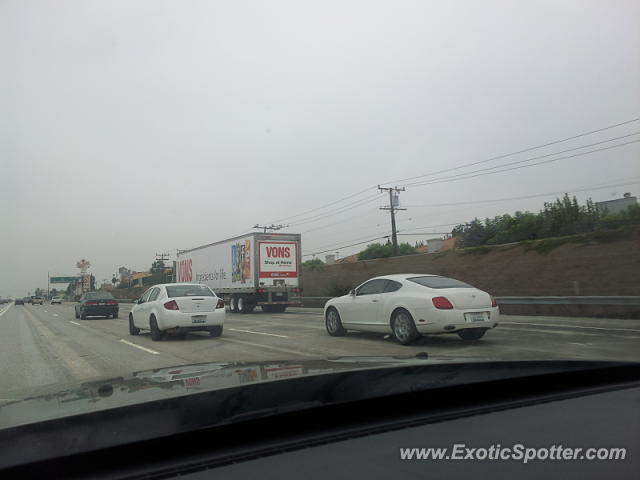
(58,401)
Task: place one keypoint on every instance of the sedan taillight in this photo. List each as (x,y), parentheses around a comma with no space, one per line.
(112,302)
(494,302)
(441,303)
(172,305)
(91,303)
(220,303)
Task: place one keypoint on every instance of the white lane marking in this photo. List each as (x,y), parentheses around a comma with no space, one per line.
(56,315)
(140,347)
(75,323)
(257,333)
(6,309)
(45,311)
(572,326)
(268,347)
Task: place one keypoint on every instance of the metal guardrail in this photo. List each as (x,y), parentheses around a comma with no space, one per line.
(608,300)
(594,300)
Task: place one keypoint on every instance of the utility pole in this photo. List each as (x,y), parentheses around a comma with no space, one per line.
(161,257)
(271,227)
(393,208)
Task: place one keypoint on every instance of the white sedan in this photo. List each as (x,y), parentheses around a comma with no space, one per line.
(177,308)
(410,305)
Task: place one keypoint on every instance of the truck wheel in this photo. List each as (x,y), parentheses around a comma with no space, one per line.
(245,305)
(233,304)
(241,304)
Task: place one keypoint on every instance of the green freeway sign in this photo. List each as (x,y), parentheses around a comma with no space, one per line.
(63,279)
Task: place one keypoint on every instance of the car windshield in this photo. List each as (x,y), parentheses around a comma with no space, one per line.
(188,291)
(280,182)
(439,282)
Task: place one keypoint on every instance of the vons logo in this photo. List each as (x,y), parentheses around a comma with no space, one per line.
(278,252)
(185,271)
(278,259)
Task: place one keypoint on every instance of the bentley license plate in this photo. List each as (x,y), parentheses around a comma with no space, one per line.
(474,317)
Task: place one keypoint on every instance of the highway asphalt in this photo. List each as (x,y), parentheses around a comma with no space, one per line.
(45,345)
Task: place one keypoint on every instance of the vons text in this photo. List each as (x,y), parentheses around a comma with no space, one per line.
(278,252)
(185,272)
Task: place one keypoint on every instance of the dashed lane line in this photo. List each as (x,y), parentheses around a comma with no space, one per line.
(148,350)
(257,333)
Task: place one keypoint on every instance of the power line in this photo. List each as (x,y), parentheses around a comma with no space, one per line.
(346,241)
(410,229)
(499,157)
(432,226)
(326,205)
(524,197)
(337,223)
(530,159)
(468,175)
(345,246)
(336,211)
(348,197)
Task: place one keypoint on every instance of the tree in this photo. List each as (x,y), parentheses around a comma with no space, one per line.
(313,264)
(377,250)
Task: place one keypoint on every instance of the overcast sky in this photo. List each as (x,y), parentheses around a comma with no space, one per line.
(134,127)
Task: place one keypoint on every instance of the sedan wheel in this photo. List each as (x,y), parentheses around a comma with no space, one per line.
(334,324)
(215,331)
(133,330)
(472,333)
(156,333)
(404,329)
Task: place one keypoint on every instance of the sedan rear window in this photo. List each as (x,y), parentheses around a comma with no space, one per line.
(439,282)
(99,296)
(189,291)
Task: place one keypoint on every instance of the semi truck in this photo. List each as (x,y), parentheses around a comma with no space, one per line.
(256,269)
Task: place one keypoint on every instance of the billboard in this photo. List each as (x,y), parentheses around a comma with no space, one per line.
(63,279)
(278,259)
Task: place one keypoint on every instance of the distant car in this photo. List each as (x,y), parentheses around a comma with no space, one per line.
(97,304)
(57,300)
(19,301)
(177,308)
(411,305)
(37,300)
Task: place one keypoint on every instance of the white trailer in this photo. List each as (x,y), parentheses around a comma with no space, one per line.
(254,269)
